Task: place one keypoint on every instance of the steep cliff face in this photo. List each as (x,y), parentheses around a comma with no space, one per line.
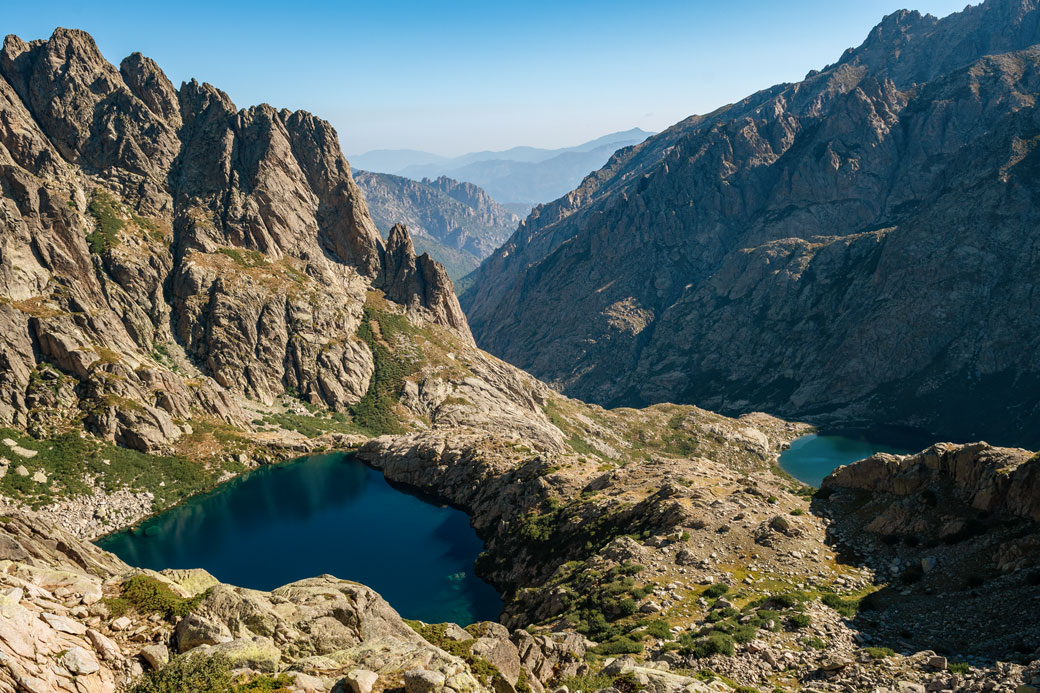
(162,251)
(859,246)
(457,223)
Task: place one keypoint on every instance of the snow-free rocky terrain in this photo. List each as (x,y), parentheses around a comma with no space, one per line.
(190,290)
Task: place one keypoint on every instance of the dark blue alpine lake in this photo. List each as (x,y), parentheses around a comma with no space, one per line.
(322,514)
(812,457)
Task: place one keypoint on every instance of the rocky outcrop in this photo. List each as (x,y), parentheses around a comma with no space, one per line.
(1002,481)
(953,530)
(168,253)
(458,224)
(829,249)
(420,282)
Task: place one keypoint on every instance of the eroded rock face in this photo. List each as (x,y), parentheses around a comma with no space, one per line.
(830,249)
(152,236)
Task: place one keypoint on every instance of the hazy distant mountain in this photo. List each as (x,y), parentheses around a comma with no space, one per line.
(518,176)
(393,160)
(458,224)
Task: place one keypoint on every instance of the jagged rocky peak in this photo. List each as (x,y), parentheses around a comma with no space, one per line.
(153,236)
(419,282)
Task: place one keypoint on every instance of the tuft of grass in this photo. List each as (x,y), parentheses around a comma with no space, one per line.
(879,652)
(959,668)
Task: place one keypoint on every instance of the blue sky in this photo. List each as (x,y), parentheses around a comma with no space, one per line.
(453,77)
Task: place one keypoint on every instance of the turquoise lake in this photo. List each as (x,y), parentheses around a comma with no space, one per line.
(812,457)
(322,514)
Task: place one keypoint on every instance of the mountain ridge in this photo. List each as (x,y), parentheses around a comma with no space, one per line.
(666,308)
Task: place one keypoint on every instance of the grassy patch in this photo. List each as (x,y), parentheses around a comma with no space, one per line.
(243,257)
(312,425)
(209,674)
(375,412)
(574,438)
(107,222)
(879,652)
(147,595)
(69,459)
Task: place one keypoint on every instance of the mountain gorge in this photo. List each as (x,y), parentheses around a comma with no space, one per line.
(858,247)
(458,224)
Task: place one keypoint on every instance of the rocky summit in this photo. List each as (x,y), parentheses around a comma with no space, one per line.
(859,246)
(190,290)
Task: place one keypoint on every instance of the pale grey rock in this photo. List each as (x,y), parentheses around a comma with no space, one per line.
(361,680)
(156,655)
(79,661)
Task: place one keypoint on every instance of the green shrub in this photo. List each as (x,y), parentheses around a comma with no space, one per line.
(587,682)
(147,595)
(626,683)
(845,607)
(207,675)
(797,511)
(744,633)
(716,590)
(720,614)
(879,652)
(786,600)
(659,629)
(799,621)
(959,668)
(765,615)
(619,644)
(715,643)
(816,643)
